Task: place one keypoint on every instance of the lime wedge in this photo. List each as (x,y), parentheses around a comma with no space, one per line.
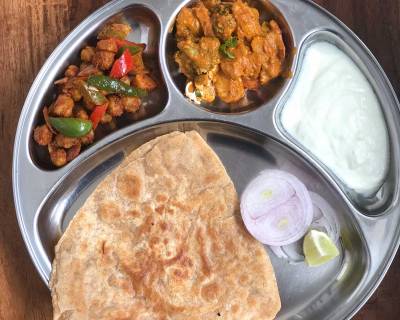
(318,248)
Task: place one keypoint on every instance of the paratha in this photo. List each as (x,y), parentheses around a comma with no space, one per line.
(161,238)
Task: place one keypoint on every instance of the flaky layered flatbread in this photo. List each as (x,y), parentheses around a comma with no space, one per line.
(161,238)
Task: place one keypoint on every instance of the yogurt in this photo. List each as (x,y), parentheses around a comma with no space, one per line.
(334,113)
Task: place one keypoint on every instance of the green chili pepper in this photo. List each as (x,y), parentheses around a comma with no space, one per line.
(71,127)
(132,49)
(115,86)
(91,94)
(230,43)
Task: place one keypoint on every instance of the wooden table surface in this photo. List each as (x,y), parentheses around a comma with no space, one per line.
(30,30)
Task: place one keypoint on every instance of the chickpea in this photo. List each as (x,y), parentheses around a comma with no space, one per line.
(103,59)
(43,135)
(73,152)
(87,54)
(65,142)
(58,156)
(131,104)
(107,45)
(75,94)
(88,139)
(144,81)
(115,107)
(80,113)
(63,106)
(71,71)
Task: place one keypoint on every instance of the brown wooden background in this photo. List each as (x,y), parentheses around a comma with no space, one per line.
(30,30)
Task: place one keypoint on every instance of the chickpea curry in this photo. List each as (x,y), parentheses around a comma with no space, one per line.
(110,81)
(224,50)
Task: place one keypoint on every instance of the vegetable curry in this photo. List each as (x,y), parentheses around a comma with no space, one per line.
(224,50)
(110,81)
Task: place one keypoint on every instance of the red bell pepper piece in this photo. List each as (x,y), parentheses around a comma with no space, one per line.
(97,114)
(122,65)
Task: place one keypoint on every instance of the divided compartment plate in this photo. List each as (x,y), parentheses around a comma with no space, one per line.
(246,142)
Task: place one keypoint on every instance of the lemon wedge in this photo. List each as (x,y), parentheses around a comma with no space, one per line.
(318,248)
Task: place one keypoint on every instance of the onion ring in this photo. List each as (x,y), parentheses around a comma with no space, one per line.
(276,208)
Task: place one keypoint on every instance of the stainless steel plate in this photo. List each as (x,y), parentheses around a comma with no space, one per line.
(246,142)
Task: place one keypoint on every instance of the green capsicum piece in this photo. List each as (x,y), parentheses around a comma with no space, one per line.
(91,94)
(132,49)
(71,127)
(230,43)
(115,86)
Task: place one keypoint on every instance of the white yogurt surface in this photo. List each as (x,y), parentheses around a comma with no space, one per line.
(334,113)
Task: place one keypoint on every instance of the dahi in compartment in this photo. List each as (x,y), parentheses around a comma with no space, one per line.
(335,114)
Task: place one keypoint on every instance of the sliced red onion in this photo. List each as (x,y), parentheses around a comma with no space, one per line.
(324,219)
(276,208)
(293,252)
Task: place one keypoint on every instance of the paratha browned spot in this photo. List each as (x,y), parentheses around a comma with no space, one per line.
(130,186)
(235,308)
(109,212)
(148,210)
(163,226)
(161,238)
(243,279)
(210,291)
(251,301)
(160,209)
(132,213)
(161,198)
(211,178)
